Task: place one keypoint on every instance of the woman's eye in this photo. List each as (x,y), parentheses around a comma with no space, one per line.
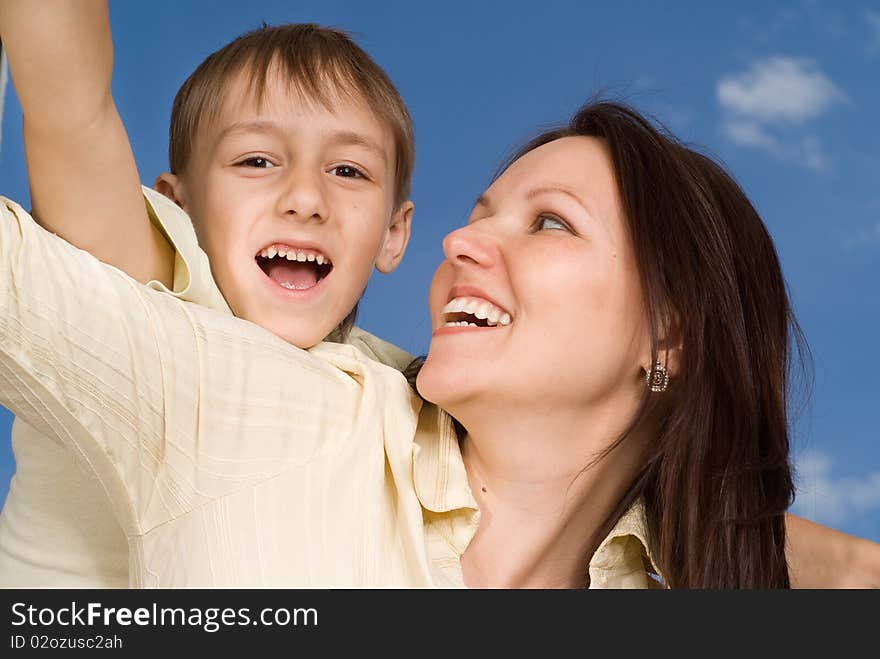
(550,222)
(257,162)
(347,171)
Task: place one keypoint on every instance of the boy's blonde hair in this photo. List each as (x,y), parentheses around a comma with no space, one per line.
(319,62)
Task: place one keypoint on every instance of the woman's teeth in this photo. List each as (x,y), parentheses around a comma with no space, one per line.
(481,310)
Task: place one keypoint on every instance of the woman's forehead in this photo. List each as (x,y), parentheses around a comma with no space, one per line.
(578,164)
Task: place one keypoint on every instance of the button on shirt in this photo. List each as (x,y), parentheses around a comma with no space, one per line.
(229,457)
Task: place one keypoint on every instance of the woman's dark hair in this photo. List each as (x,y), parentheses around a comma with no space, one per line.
(717,479)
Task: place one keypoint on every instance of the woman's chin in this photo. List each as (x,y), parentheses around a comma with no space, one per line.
(442,385)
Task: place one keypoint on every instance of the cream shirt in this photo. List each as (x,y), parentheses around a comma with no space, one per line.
(451,515)
(174,410)
(54,502)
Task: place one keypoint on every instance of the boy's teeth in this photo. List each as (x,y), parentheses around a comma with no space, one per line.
(293,255)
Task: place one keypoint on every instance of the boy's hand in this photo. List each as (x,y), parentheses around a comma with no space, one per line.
(83,178)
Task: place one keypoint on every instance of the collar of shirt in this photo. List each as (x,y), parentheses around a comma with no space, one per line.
(623,559)
(450,512)
(192,271)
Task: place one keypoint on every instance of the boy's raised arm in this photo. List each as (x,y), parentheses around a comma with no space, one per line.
(83,177)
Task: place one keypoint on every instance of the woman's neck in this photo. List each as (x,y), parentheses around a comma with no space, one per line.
(541,510)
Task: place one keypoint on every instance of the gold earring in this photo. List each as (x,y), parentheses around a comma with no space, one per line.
(657,378)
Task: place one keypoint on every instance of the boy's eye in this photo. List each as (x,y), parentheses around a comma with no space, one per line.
(347,171)
(256,161)
(550,222)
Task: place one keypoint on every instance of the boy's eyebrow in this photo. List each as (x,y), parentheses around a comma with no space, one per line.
(352,138)
(248,127)
(344,137)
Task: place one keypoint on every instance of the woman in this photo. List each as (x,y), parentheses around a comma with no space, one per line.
(611,333)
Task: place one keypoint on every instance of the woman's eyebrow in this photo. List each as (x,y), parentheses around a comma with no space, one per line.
(555,189)
(483,200)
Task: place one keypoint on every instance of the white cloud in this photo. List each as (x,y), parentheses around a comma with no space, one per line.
(813,156)
(863,237)
(679,117)
(764,106)
(805,151)
(778,89)
(874,27)
(827,499)
(750,133)
(815,17)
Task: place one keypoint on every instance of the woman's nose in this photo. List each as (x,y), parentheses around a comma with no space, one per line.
(470,245)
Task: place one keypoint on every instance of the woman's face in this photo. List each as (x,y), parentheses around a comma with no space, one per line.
(544,279)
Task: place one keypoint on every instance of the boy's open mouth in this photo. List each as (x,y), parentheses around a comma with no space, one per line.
(292,267)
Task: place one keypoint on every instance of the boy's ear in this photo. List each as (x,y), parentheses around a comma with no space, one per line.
(171,186)
(396,238)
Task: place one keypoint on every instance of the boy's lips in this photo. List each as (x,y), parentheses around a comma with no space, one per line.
(294,268)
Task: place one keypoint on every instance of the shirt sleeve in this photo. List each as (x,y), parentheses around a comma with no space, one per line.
(169,404)
(193,281)
(79,357)
(379,349)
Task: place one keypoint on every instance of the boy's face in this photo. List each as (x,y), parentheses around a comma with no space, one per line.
(294,205)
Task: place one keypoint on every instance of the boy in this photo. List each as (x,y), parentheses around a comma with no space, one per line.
(291,151)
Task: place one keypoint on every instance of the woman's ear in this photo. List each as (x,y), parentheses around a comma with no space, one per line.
(669,346)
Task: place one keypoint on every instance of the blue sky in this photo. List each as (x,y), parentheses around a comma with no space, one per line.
(785,94)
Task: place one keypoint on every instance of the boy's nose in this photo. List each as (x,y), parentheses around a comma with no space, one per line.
(302,197)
